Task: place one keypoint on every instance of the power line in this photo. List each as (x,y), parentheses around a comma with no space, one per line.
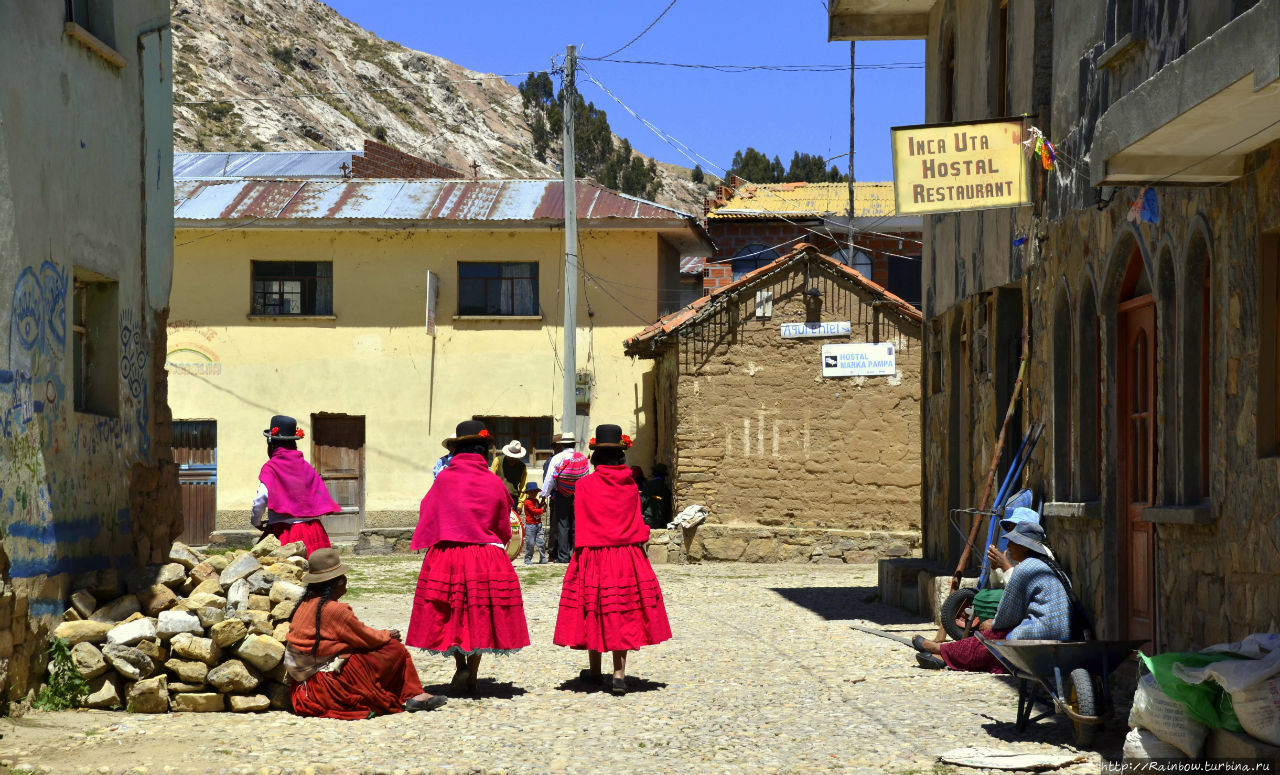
(642,32)
(732,68)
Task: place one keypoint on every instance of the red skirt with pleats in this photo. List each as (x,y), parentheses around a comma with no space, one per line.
(310,532)
(611,601)
(970,655)
(468,601)
(371,683)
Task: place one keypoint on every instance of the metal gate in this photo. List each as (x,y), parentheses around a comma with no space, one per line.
(195,450)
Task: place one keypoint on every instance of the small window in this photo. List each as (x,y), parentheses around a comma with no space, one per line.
(533,433)
(493,288)
(95,16)
(1119,20)
(751,258)
(95,328)
(292,288)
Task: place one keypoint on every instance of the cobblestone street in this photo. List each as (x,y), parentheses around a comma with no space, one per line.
(764,674)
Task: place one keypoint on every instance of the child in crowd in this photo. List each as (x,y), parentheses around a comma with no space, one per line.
(534,538)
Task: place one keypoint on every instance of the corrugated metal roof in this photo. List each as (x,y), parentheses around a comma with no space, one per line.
(426,200)
(871,200)
(649,340)
(692,265)
(264,164)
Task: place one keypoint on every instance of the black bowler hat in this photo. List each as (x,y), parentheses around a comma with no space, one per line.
(610,437)
(470,430)
(283,428)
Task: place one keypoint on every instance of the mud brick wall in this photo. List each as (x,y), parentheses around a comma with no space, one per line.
(761,439)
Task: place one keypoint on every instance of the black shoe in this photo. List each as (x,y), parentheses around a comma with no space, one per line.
(431,703)
(618,687)
(917,643)
(592,678)
(930,662)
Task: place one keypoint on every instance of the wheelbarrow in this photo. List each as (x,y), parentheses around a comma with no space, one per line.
(1074,676)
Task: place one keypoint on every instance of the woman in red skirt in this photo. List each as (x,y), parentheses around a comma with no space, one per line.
(291,497)
(610,600)
(468,599)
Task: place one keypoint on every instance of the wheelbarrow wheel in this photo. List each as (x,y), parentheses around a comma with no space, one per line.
(1083,700)
(957,613)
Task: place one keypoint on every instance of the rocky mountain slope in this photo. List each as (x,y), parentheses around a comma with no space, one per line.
(302,77)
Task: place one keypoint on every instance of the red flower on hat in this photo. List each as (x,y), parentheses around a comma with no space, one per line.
(626,441)
(484,434)
(592,443)
(300,433)
(275,431)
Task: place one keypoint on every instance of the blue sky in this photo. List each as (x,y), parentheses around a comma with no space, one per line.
(712,113)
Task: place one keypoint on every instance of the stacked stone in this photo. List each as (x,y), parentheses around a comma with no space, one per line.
(198,634)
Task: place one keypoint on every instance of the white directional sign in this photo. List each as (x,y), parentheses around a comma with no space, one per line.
(803,330)
(858,360)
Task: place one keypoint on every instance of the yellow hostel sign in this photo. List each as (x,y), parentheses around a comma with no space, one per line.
(942,168)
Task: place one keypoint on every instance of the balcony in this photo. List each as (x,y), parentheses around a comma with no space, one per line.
(878,19)
(1197,118)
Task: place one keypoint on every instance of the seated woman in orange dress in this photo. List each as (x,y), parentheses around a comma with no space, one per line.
(339,667)
(610,600)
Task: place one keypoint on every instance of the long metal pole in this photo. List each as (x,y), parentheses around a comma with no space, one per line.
(852,115)
(568,422)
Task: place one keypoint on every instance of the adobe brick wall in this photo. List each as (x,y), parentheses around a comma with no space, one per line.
(383,161)
(763,441)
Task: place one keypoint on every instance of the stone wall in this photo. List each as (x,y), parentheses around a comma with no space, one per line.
(763,440)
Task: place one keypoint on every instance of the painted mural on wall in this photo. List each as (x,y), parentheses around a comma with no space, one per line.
(51,520)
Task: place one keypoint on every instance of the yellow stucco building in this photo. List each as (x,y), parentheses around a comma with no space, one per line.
(381,313)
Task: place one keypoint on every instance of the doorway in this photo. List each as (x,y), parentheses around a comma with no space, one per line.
(337,452)
(195,450)
(1136,452)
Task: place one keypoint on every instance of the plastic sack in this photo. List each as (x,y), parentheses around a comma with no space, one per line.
(986,602)
(1142,745)
(1258,708)
(1205,701)
(1166,718)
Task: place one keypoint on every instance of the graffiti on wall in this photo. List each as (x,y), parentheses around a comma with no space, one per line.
(133,374)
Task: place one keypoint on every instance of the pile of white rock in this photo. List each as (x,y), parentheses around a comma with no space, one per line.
(198,634)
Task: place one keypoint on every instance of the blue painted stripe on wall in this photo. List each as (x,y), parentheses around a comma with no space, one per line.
(6,376)
(45,607)
(86,528)
(52,566)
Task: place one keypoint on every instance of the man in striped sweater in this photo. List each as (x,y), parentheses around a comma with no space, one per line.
(564,470)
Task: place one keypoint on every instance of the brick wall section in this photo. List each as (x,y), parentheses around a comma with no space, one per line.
(732,235)
(758,437)
(382,161)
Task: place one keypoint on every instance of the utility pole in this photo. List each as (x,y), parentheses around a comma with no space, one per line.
(568,423)
(852,157)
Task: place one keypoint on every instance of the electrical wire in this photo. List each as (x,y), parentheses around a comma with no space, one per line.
(726,68)
(642,32)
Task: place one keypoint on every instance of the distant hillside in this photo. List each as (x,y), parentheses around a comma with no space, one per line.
(365,87)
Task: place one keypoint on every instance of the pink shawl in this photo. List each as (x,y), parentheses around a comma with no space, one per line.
(468,504)
(606,509)
(293,486)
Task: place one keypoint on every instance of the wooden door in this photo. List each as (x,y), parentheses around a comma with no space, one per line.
(337,452)
(195,450)
(1136,386)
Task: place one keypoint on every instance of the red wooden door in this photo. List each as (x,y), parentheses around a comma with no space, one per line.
(1136,386)
(195,450)
(337,452)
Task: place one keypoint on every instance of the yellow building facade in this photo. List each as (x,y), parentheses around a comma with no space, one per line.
(375,389)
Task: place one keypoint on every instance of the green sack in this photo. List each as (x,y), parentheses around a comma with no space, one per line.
(986,602)
(1206,702)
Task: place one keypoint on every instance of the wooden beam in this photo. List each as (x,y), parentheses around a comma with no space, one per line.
(907,26)
(91,42)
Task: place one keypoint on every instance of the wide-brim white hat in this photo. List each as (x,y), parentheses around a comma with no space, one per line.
(514,449)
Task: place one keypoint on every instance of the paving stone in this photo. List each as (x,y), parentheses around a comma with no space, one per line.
(231,676)
(88,660)
(202,702)
(129,634)
(287,590)
(195,648)
(228,632)
(265,547)
(239,568)
(83,631)
(249,703)
(187,671)
(260,582)
(104,692)
(156,598)
(171,623)
(128,661)
(261,651)
(184,555)
(150,695)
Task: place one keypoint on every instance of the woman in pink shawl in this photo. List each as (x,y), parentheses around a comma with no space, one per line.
(291,496)
(610,600)
(468,599)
